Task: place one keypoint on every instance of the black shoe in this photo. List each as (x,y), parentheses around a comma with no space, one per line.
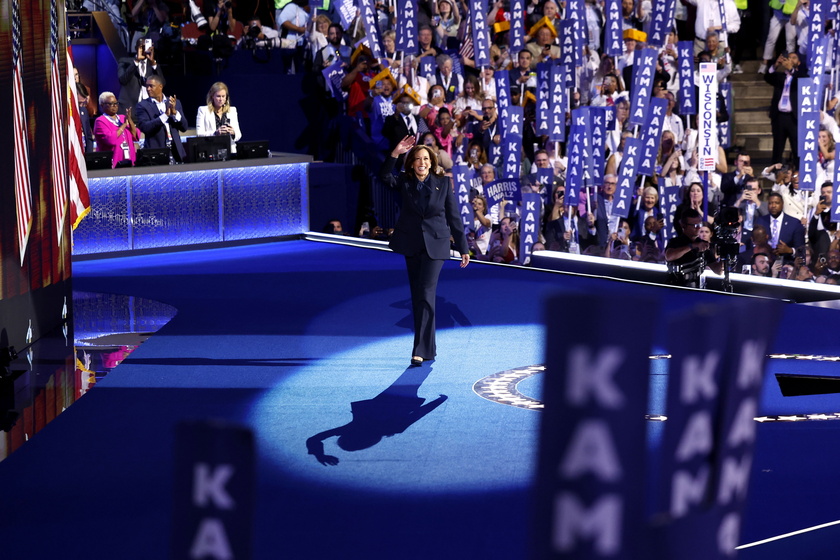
(416,361)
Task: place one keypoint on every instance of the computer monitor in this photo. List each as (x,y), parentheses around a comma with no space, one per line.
(252,150)
(201,149)
(98,160)
(152,156)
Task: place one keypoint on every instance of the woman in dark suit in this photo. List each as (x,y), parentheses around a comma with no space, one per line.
(429,216)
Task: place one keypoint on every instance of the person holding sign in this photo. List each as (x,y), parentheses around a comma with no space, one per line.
(429,216)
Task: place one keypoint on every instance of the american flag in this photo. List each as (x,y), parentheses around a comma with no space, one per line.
(59,147)
(79,195)
(23,188)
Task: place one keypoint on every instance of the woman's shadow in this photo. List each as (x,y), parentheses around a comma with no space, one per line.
(390,412)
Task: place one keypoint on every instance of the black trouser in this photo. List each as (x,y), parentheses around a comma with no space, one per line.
(784,129)
(423,273)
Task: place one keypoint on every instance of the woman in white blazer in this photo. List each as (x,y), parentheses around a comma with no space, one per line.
(218,117)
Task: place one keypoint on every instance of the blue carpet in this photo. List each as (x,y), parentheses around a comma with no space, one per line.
(282,338)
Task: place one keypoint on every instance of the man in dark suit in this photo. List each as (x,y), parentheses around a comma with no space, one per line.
(132,73)
(402,122)
(429,216)
(732,184)
(787,235)
(784,104)
(161,119)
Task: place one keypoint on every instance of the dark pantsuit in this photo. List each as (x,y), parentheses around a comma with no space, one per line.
(423,273)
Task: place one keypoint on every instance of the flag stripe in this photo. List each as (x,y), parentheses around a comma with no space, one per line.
(23,188)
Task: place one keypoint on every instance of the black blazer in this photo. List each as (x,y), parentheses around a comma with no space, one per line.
(147,116)
(777,80)
(132,81)
(426,228)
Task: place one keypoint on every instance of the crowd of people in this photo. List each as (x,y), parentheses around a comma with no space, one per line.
(435,91)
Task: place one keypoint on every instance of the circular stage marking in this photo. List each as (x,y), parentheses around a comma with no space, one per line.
(501,388)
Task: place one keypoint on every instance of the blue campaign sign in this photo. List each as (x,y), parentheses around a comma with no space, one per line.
(461,181)
(590,482)
(557,127)
(503,189)
(529,224)
(662,21)
(627,177)
(543,98)
(598,130)
(214,487)
(724,130)
(807,137)
(406,26)
(669,199)
(714,381)
(502,91)
(428,65)
(566,32)
(517,26)
(512,155)
(644,69)
(480,33)
(816,32)
(333,75)
(368,14)
(652,135)
(687,95)
(574,169)
(347,11)
(613,29)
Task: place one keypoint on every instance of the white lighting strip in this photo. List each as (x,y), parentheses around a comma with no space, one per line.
(786,535)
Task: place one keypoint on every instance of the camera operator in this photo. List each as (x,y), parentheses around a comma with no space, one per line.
(687,255)
(821,230)
(256,36)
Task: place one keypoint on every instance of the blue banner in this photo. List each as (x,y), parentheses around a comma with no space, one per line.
(714,383)
(502,91)
(669,199)
(652,136)
(575,12)
(543,98)
(512,154)
(503,189)
(480,33)
(816,32)
(598,116)
(347,11)
(529,225)
(724,130)
(644,69)
(557,126)
(568,57)
(808,129)
(213,491)
(627,177)
(662,22)
(613,29)
(574,147)
(590,501)
(427,66)
(516,35)
(687,95)
(369,20)
(333,75)
(818,56)
(545,178)
(460,179)
(406,26)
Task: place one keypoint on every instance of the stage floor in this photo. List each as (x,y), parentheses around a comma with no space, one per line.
(281,338)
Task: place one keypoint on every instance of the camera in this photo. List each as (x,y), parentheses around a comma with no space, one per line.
(254,32)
